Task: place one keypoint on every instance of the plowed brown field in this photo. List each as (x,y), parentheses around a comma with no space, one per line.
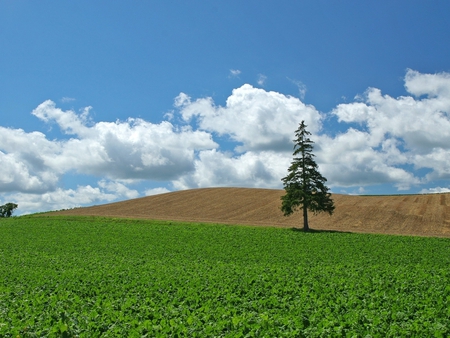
(424,215)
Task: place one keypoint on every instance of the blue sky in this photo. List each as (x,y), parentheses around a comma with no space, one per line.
(103,101)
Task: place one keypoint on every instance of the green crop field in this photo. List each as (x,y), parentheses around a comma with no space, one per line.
(100,277)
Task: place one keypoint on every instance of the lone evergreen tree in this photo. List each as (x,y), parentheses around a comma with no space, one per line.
(304,185)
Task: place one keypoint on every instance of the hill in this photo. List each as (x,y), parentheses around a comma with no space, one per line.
(423,215)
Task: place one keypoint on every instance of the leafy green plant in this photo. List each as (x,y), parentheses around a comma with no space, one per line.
(100,277)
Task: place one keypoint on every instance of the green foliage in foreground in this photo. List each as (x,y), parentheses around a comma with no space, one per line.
(92,277)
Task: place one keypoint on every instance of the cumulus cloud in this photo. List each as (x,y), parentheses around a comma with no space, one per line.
(437,190)
(68,121)
(132,149)
(388,139)
(423,124)
(60,199)
(403,141)
(261,122)
(431,85)
(257,119)
(251,169)
(396,132)
(23,158)
(156,191)
(105,191)
(118,189)
(352,159)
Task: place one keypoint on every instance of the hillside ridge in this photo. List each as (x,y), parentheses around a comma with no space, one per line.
(423,215)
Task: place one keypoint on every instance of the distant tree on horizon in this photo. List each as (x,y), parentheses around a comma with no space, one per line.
(304,185)
(7,209)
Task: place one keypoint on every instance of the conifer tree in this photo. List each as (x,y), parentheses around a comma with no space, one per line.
(304,185)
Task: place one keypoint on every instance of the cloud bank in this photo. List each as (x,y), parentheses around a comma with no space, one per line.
(394,137)
(403,141)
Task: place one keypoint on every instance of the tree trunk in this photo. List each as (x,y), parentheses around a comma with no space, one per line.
(305,218)
(305,203)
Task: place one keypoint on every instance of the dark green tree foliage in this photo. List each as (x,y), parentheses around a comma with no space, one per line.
(304,185)
(7,209)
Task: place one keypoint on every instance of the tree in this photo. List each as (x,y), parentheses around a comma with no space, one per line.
(304,185)
(7,209)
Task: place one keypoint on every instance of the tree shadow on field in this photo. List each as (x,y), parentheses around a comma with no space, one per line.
(317,231)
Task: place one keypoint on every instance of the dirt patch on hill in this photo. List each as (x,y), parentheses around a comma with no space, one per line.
(423,215)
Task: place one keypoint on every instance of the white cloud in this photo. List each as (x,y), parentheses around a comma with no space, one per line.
(66,99)
(261,79)
(234,72)
(68,121)
(398,131)
(251,169)
(423,124)
(258,119)
(23,158)
(123,150)
(431,85)
(436,190)
(15,175)
(436,159)
(60,199)
(118,189)
(350,159)
(385,140)
(155,191)
(120,152)
(106,191)
(301,88)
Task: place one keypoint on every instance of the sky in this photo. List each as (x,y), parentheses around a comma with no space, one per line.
(105,101)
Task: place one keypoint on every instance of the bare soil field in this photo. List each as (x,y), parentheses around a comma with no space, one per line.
(422,215)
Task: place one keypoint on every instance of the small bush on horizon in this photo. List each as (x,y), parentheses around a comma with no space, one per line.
(6,210)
